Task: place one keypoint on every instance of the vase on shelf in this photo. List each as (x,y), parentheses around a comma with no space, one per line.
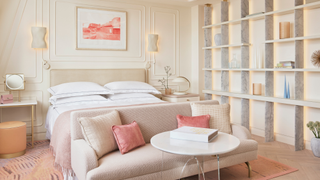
(315,146)
(234,62)
(256,89)
(217,39)
(167,91)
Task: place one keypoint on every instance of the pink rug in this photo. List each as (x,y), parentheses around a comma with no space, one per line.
(37,163)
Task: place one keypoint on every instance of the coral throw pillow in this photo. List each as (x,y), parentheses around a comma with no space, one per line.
(195,121)
(128,137)
(219,115)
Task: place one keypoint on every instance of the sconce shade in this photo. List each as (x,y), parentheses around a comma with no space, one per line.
(153,42)
(38,35)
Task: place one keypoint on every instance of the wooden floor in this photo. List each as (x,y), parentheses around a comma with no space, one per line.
(305,161)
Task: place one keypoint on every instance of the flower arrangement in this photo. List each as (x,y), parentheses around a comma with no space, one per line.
(165,82)
(315,58)
(315,128)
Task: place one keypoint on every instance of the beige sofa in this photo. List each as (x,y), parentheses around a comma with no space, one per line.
(147,162)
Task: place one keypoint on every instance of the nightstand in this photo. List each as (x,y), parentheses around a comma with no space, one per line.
(181,98)
(24,103)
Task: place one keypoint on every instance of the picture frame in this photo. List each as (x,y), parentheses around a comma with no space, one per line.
(101,29)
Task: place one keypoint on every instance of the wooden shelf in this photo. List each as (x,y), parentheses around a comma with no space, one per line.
(263,70)
(230,45)
(308,6)
(293,39)
(313,104)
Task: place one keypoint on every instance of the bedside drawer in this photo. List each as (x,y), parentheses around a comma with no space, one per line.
(185,99)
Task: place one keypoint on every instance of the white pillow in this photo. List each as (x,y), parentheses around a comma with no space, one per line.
(130,96)
(77,89)
(77,100)
(131,87)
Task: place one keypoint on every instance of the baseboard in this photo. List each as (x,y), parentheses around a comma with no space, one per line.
(279,137)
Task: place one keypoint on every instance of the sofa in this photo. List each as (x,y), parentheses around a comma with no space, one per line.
(147,162)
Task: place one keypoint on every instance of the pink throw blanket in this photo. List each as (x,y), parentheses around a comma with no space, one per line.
(60,144)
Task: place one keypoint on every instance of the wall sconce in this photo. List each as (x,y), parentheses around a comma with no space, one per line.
(38,41)
(153,44)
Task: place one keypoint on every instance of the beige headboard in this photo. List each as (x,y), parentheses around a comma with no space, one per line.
(100,76)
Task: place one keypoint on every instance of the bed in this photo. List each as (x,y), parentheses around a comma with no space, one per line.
(99,76)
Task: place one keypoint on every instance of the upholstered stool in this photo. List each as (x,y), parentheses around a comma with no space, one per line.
(13,140)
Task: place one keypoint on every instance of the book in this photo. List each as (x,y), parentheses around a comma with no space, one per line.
(194,134)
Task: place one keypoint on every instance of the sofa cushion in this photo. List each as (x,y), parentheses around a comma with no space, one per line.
(98,133)
(128,137)
(193,121)
(220,115)
(138,162)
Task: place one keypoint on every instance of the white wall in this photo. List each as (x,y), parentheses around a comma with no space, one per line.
(172,23)
(284,114)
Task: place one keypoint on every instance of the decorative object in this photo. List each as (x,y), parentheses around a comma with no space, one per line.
(38,41)
(311,1)
(284,30)
(256,89)
(315,58)
(286,64)
(12,131)
(217,39)
(165,82)
(315,142)
(190,133)
(14,82)
(38,35)
(257,61)
(101,29)
(234,63)
(5,99)
(181,79)
(286,88)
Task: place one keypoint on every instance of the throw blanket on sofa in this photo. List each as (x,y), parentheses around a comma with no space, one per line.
(60,144)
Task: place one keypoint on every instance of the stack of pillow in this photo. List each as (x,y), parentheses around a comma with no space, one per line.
(77,93)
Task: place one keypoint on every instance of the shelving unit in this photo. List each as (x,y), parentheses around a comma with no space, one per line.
(293,39)
(299,102)
(313,104)
(263,70)
(308,6)
(230,45)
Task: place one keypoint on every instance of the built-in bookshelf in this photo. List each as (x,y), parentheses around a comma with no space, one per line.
(308,6)
(299,101)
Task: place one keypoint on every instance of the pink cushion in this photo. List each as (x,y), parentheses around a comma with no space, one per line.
(128,137)
(195,121)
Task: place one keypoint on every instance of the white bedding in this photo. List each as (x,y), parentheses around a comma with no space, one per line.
(54,112)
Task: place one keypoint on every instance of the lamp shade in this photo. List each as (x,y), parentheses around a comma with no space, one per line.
(38,35)
(153,42)
(181,79)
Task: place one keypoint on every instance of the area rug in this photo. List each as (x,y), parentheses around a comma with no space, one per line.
(37,163)
(262,169)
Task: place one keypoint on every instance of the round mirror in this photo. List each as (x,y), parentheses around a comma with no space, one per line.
(15,82)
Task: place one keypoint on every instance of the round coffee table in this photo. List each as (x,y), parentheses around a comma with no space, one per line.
(223,143)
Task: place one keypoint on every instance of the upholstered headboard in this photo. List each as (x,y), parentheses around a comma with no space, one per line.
(100,76)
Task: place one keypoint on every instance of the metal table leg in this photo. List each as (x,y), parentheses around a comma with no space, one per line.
(32,119)
(218,167)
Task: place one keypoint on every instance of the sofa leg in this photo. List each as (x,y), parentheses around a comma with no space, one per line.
(249,169)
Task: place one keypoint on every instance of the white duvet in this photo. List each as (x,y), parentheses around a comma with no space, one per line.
(54,112)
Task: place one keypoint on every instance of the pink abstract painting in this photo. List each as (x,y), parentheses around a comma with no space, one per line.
(107,31)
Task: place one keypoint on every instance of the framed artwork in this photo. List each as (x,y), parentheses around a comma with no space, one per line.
(101,29)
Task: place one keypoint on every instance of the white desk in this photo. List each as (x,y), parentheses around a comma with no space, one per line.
(24,103)
(224,143)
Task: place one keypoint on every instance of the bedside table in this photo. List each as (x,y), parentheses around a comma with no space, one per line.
(181,98)
(24,103)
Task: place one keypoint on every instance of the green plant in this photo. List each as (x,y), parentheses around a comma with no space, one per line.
(314,128)
(165,82)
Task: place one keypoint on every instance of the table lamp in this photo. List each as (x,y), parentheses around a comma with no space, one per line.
(181,79)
